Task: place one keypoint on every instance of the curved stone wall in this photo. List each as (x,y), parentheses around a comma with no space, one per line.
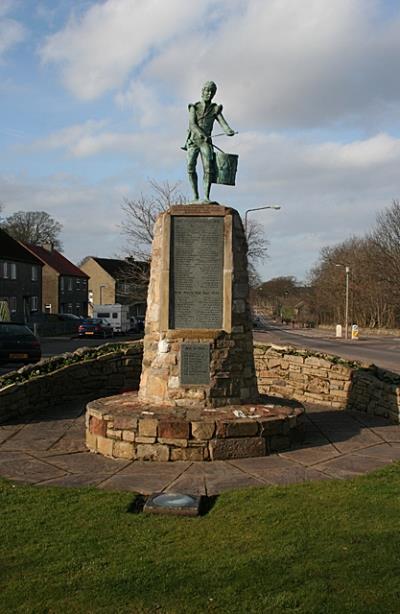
(281,371)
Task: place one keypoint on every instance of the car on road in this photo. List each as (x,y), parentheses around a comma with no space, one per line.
(95,327)
(18,344)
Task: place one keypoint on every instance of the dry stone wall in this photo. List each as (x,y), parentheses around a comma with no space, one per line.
(42,387)
(327,380)
(281,371)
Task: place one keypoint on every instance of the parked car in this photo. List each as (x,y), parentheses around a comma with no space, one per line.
(95,327)
(18,344)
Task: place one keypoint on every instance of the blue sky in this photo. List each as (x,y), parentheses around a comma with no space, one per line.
(94,103)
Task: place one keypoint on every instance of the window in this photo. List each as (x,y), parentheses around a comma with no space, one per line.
(78,284)
(13,270)
(34,303)
(62,284)
(103,315)
(115,315)
(69,308)
(34,272)
(78,309)
(69,283)
(84,283)
(4,270)
(12,303)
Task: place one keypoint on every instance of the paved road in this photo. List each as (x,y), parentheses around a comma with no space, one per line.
(382,351)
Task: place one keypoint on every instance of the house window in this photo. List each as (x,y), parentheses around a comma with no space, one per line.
(4,270)
(84,283)
(13,270)
(77,309)
(70,284)
(34,303)
(78,284)
(69,308)
(34,272)
(62,284)
(12,303)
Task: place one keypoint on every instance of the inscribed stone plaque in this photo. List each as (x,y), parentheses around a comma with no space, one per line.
(195,363)
(196,272)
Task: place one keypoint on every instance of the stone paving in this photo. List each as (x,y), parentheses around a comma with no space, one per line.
(49,450)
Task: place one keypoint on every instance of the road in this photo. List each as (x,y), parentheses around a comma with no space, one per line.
(382,351)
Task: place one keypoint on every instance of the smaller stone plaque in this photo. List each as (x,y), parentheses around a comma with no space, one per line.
(195,364)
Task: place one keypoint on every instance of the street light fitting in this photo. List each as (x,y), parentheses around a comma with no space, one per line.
(276,207)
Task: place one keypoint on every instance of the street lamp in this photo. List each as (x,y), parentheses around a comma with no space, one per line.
(257,209)
(346,317)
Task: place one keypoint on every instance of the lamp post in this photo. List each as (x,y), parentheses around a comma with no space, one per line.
(257,209)
(346,310)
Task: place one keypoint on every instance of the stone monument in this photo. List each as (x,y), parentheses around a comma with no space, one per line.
(198,397)
(198,346)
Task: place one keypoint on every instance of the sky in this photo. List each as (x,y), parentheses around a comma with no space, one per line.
(94,99)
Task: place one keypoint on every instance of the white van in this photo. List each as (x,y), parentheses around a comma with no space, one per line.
(117,315)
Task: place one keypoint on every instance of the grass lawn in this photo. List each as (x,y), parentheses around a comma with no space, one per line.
(315,547)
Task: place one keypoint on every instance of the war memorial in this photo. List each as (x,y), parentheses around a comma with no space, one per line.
(198,396)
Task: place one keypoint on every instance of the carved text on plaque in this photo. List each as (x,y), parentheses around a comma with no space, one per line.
(196,272)
(195,364)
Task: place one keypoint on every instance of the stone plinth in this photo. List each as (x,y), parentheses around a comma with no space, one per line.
(122,426)
(198,347)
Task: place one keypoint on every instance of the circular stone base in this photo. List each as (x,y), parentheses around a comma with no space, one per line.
(121,426)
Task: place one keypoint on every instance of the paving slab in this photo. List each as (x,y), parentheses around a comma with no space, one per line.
(311,455)
(295,475)
(347,442)
(76,480)
(188,485)
(350,466)
(49,450)
(384,451)
(28,470)
(36,436)
(85,462)
(8,432)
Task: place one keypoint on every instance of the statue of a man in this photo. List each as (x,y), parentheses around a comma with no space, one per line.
(202,115)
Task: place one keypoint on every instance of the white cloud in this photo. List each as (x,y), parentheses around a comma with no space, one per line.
(289,64)
(11,31)
(98,50)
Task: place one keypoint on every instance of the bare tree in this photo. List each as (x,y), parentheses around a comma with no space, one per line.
(386,240)
(372,302)
(36,227)
(141,214)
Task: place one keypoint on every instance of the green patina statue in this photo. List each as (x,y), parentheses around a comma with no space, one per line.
(202,116)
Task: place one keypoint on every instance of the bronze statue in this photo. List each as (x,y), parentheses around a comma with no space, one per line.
(202,116)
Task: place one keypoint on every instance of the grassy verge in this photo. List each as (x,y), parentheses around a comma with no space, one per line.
(317,547)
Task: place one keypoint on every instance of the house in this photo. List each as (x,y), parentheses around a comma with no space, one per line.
(20,279)
(117,281)
(65,286)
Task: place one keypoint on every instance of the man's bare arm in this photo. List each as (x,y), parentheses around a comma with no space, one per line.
(224,125)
